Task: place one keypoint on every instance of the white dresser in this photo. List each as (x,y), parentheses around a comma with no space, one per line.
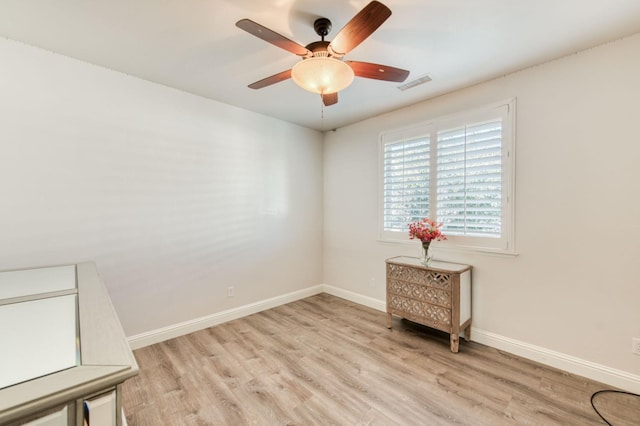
(64,353)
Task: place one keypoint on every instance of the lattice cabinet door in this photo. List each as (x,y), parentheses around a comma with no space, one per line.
(438,296)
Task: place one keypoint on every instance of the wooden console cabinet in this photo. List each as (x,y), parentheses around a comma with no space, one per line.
(438,296)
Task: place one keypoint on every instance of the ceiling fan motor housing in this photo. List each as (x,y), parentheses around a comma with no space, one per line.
(322,73)
(319,48)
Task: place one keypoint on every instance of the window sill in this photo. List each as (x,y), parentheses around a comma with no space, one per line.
(456,248)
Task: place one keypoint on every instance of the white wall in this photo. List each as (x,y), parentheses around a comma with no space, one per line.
(175,197)
(574,289)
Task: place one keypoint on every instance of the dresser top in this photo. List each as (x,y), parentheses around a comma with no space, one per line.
(95,355)
(28,282)
(433,265)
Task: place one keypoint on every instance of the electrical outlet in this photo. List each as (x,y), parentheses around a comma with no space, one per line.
(372,283)
(635,346)
(230,291)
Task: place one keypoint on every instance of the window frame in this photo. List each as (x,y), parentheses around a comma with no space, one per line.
(503,109)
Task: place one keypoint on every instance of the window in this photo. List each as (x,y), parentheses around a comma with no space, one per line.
(455,170)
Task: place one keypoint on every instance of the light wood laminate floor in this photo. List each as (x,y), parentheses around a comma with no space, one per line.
(326,361)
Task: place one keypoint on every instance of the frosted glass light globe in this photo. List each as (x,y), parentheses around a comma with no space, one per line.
(322,75)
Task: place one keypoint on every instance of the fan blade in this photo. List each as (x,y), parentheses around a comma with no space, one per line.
(359,28)
(377,71)
(276,78)
(330,99)
(272,37)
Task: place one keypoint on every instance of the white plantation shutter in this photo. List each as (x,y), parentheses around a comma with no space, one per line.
(405,182)
(469,179)
(457,170)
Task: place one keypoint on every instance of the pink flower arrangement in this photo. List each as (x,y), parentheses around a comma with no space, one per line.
(426,231)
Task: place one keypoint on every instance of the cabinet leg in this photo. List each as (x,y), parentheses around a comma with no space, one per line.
(467,334)
(389,321)
(455,342)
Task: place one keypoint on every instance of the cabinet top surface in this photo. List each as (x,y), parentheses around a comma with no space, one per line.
(433,265)
(27,282)
(105,356)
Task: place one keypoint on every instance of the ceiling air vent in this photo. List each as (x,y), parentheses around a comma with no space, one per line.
(416,82)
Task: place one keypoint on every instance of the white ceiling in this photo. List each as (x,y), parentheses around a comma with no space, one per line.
(194,45)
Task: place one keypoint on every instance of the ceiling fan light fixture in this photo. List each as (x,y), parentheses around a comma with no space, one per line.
(322,75)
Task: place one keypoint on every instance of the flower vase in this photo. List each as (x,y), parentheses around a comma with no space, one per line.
(426,259)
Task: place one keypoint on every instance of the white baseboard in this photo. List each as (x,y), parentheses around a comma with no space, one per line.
(165,333)
(601,373)
(591,370)
(377,304)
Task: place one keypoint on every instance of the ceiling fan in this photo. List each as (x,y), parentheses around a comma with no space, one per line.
(322,69)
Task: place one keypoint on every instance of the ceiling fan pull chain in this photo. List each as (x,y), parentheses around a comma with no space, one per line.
(321,114)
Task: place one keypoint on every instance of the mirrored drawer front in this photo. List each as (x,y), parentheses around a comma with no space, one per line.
(419,276)
(101,410)
(420,292)
(425,313)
